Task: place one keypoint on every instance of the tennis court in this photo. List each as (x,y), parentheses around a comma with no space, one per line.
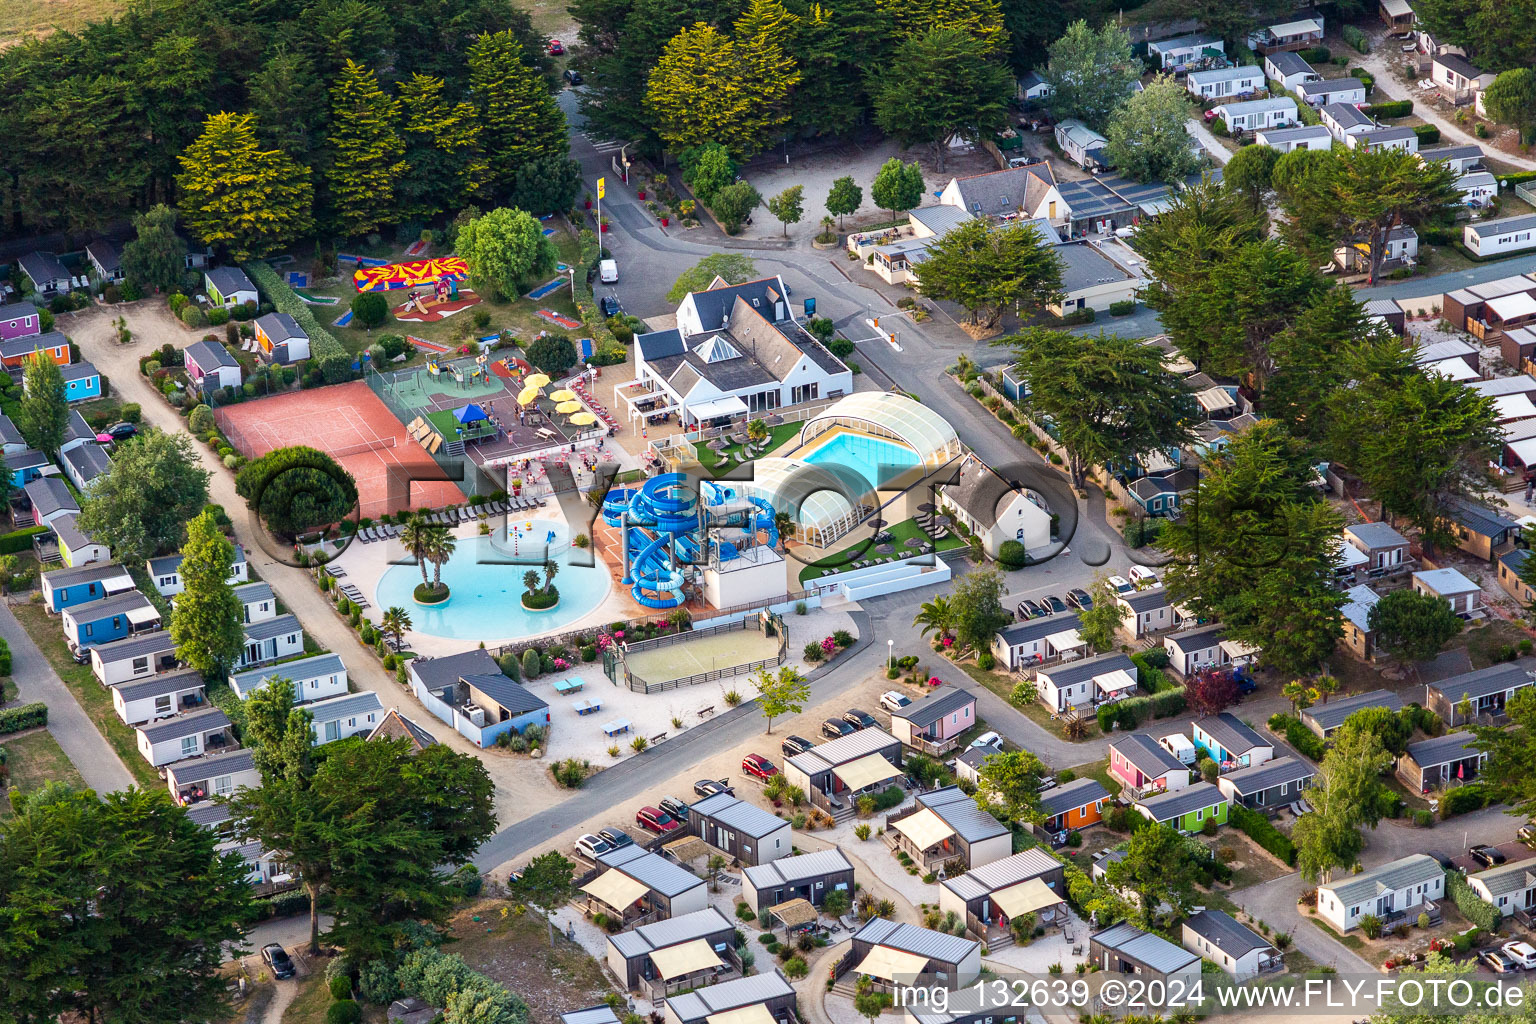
(348,422)
(705,654)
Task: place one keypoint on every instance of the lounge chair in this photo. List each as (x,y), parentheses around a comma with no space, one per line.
(366,535)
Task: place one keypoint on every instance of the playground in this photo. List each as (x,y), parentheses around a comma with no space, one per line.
(348,422)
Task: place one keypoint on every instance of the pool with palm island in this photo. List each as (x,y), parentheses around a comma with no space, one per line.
(485,580)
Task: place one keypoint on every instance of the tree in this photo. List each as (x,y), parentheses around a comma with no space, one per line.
(1254,550)
(701,90)
(154,259)
(1210,691)
(1394,729)
(763,35)
(897,187)
(141,505)
(936,616)
(296,489)
(1146,139)
(978,603)
(446,167)
(44,415)
(369,309)
(365,152)
(843,198)
(547,185)
(1112,400)
(206,623)
(1158,868)
(788,206)
(553,353)
(707,169)
(1512,99)
(987,269)
(505,249)
(1510,770)
(519,119)
(1412,625)
(1249,174)
(280,732)
(727,266)
(1091,73)
(546,885)
(1299,694)
(238,197)
(1012,779)
(948,86)
(734,203)
(440,547)
(289,102)
(117,907)
(1345,795)
(396,622)
(416,539)
(1099,624)
(780,693)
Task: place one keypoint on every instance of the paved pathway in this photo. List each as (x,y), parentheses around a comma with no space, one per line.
(1208,142)
(36,680)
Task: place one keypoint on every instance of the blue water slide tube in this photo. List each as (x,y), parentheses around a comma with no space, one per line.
(765,514)
(653,573)
(615,504)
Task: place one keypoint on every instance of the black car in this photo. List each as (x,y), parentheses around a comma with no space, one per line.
(616,837)
(836,729)
(573,76)
(609,306)
(276,957)
(1079,598)
(859,719)
(1487,856)
(710,787)
(1054,603)
(1441,859)
(675,807)
(793,745)
(121,431)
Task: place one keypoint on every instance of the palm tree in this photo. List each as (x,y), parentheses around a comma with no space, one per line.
(935,615)
(551,570)
(1326,686)
(440,547)
(531,580)
(757,431)
(783,523)
(396,621)
(414,537)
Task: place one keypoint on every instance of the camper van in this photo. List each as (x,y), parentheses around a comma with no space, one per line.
(608,271)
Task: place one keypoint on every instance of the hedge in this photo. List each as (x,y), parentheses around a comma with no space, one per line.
(1129,713)
(1391,108)
(1298,735)
(1428,134)
(1472,906)
(28,716)
(322,343)
(1462,800)
(1153,679)
(1356,38)
(1506,180)
(1317,55)
(1262,831)
(18,541)
(5,657)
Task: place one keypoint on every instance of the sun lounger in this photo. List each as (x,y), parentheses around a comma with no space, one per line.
(336,572)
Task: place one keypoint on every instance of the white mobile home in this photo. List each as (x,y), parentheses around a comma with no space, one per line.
(1324,91)
(1396,888)
(1312,136)
(1288,69)
(1495,237)
(1257,115)
(176,739)
(349,715)
(313,679)
(1223,82)
(159,696)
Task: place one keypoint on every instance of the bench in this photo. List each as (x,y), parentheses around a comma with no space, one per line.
(706,712)
(657,738)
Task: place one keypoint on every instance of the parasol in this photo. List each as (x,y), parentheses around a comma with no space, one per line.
(471,413)
(571,406)
(527,395)
(583,419)
(926,506)
(563,395)
(538,380)
(885,549)
(717,444)
(913,542)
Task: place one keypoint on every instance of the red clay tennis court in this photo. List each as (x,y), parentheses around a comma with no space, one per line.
(348,422)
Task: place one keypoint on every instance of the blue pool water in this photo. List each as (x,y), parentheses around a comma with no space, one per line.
(486,584)
(876,460)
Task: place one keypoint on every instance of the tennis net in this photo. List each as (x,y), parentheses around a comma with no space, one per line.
(360,448)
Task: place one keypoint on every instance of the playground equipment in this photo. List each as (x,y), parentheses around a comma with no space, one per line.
(665,526)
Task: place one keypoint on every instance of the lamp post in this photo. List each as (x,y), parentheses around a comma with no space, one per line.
(890,654)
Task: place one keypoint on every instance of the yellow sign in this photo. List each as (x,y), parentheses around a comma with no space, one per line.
(602,187)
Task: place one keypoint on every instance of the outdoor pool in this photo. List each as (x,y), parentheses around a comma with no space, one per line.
(876,460)
(486,585)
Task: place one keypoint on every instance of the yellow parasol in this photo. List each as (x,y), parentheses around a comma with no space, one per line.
(538,380)
(563,395)
(527,395)
(568,407)
(584,419)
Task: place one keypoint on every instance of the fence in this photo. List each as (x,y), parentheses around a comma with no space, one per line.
(1526,190)
(760,622)
(464,475)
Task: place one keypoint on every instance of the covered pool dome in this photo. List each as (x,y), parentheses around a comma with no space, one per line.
(889,415)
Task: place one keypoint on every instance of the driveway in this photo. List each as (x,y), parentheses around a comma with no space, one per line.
(1208,142)
(1274,903)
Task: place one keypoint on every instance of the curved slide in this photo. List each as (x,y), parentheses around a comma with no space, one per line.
(667,506)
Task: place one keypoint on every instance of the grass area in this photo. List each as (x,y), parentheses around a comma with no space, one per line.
(514,950)
(93,697)
(34,759)
(726,457)
(1098,770)
(20,18)
(1352,941)
(1002,685)
(1483,642)
(1257,867)
(900,533)
(8,690)
(308,1006)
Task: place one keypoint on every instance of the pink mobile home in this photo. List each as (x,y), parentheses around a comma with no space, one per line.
(934,725)
(19,320)
(1142,764)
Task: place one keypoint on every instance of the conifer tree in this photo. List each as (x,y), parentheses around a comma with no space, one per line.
(205,625)
(447,167)
(519,119)
(366,152)
(238,197)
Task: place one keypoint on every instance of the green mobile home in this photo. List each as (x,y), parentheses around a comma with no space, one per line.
(1187,809)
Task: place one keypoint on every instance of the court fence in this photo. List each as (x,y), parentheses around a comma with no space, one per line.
(616,664)
(462,472)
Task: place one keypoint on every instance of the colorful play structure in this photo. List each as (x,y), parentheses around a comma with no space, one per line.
(395,276)
(671,532)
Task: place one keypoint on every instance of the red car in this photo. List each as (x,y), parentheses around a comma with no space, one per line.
(757,764)
(556,47)
(653,820)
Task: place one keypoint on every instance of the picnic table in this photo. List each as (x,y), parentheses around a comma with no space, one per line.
(616,726)
(587,705)
(567,686)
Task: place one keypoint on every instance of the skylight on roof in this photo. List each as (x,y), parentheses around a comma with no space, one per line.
(717,350)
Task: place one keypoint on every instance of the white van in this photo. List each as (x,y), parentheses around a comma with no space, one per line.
(608,271)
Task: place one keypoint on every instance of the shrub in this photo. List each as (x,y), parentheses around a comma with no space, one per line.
(813,652)
(1125,307)
(532,666)
(201,420)
(1356,38)
(1153,679)
(1472,907)
(1428,134)
(27,716)
(1259,828)
(1305,740)
(218,316)
(340,985)
(322,343)
(985,661)
(369,309)
(1391,108)
(1317,55)
(1011,555)
(343,1011)
(1463,799)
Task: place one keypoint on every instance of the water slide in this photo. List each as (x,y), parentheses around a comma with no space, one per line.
(668,507)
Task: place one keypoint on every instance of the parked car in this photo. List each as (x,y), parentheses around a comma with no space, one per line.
(758,765)
(556,48)
(1079,598)
(1527,834)
(1441,859)
(1032,610)
(893,701)
(987,739)
(591,847)
(836,729)
(1487,856)
(1498,961)
(1143,578)
(673,806)
(277,958)
(1120,585)
(1522,953)
(859,719)
(653,819)
(710,787)
(793,745)
(616,837)
(573,76)
(121,431)
(609,306)
(81,654)
(1056,604)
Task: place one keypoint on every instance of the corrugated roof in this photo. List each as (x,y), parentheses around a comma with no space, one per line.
(348,705)
(1222,930)
(923,713)
(1331,715)
(249,593)
(1147,600)
(299,670)
(1445,581)
(1512,675)
(1038,629)
(49,494)
(1234,735)
(1374,536)
(961,813)
(95,572)
(591,1015)
(672,932)
(208,814)
(209,356)
(1000,874)
(269,628)
(739,816)
(1077,793)
(1278,772)
(160,685)
(1330,86)
(1506,878)
(910,938)
(158,642)
(841,751)
(651,870)
(117,604)
(514,697)
(1152,951)
(1146,754)
(729,995)
(1358,602)
(1179,802)
(1389,877)
(1454,746)
(1289,63)
(796,869)
(436,673)
(1197,639)
(197,769)
(1072,672)
(206,720)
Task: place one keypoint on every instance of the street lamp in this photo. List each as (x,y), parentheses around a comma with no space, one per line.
(890,654)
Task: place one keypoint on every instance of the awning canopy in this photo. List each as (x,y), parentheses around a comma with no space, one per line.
(685,958)
(1513,407)
(471,413)
(1115,682)
(139,616)
(1027,897)
(1213,399)
(1524,451)
(1349,556)
(1066,640)
(925,829)
(1455,369)
(616,889)
(728,406)
(866,771)
(889,964)
(1295,28)
(1237,650)
(794,912)
(757,1013)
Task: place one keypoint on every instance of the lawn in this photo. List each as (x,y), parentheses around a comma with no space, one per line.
(900,534)
(34,759)
(40,17)
(314,996)
(1002,685)
(93,697)
(726,457)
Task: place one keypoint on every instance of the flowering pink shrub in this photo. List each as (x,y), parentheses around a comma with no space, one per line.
(604,641)
(562,663)
(829,646)
(618,634)
(935,681)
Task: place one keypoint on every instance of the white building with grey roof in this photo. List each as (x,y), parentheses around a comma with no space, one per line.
(740,830)
(633,883)
(1325,719)
(949,825)
(994,509)
(1237,949)
(1126,949)
(352,714)
(315,678)
(1396,889)
(803,876)
(765,998)
(1090,279)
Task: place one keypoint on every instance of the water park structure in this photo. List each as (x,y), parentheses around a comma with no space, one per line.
(676,535)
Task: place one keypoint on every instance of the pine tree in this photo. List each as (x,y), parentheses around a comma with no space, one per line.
(447,168)
(519,119)
(365,152)
(205,624)
(760,34)
(153,260)
(708,87)
(239,197)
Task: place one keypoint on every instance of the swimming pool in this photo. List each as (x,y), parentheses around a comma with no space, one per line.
(486,584)
(876,460)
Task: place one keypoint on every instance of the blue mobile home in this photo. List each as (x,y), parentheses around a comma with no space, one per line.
(112,618)
(64,588)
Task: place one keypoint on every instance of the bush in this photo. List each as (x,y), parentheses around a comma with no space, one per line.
(1305,740)
(532,665)
(340,985)
(218,316)
(1011,555)
(1428,134)
(1317,55)
(27,716)
(343,1011)
(1472,906)
(553,353)
(1356,38)
(1391,108)
(1153,679)
(813,652)
(1463,799)
(369,309)
(985,661)
(1259,828)
(1079,316)
(376,983)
